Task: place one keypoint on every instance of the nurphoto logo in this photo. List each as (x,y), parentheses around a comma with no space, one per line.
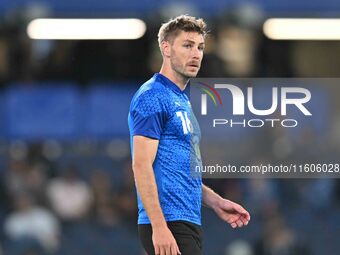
(243,101)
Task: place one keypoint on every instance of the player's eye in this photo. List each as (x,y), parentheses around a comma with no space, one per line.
(201,48)
(187,46)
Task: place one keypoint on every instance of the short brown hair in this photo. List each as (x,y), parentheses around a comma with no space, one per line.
(184,23)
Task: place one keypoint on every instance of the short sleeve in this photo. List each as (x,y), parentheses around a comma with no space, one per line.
(148,115)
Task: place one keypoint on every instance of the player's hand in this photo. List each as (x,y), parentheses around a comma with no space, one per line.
(232,213)
(164,242)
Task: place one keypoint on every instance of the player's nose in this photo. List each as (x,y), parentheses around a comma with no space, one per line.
(196,54)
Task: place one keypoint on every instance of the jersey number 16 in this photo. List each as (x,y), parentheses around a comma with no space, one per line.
(186,124)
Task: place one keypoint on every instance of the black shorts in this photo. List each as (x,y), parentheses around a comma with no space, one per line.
(188,237)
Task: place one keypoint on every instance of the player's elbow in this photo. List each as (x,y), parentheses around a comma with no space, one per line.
(135,166)
(138,165)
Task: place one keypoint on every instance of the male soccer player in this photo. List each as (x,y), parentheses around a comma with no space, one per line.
(164,142)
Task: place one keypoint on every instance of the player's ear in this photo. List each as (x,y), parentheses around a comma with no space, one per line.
(165,46)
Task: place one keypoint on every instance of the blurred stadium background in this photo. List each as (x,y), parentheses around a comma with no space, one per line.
(66,181)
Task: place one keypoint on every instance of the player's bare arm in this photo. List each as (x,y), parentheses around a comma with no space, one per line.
(229,211)
(144,153)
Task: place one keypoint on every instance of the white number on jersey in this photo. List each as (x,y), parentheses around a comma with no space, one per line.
(186,124)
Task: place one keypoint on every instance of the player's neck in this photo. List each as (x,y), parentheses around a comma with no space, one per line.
(175,77)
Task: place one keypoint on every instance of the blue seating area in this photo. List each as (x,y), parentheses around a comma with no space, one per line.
(65,112)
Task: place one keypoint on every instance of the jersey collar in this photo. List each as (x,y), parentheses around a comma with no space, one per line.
(168,83)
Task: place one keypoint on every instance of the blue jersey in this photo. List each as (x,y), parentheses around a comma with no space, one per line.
(160,110)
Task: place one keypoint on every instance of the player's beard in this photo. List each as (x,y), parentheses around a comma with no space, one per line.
(179,68)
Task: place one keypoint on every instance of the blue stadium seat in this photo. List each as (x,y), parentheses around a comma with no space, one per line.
(37,112)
